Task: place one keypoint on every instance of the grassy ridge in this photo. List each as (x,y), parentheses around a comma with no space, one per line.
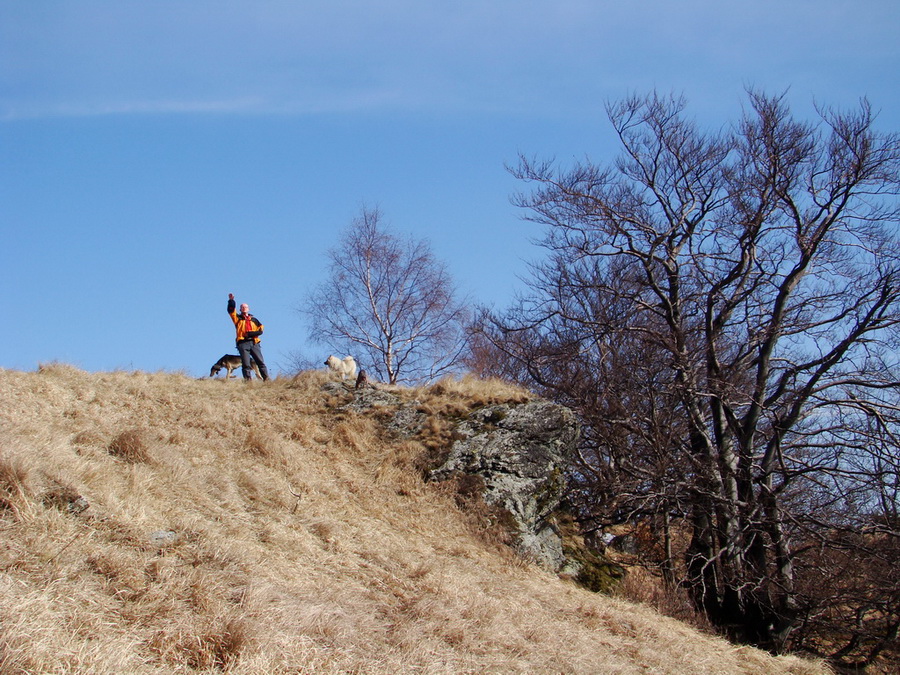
(261,529)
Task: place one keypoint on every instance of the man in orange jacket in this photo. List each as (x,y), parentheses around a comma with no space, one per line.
(248,329)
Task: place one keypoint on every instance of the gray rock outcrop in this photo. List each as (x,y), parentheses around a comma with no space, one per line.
(517,451)
(520,452)
(407,419)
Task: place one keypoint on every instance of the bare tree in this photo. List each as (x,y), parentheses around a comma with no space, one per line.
(388,302)
(739,294)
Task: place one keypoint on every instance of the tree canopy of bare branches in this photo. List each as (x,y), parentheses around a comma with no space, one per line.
(724,310)
(389,302)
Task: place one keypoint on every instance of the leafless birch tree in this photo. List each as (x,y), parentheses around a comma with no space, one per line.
(390,303)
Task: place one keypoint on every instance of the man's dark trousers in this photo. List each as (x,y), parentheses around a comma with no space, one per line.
(249,349)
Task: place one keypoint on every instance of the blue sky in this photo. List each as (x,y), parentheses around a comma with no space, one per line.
(155,156)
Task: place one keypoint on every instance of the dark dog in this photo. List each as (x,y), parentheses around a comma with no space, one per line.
(230,362)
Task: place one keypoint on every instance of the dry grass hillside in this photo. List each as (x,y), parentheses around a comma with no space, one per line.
(154,523)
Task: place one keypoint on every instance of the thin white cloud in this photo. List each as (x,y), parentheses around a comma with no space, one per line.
(279,56)
(68,109)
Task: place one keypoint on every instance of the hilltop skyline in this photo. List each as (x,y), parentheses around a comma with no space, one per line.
(155,157)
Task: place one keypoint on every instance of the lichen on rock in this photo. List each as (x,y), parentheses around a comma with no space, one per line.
(520,451)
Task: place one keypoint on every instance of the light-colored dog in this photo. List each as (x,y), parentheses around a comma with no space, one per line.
(346,366)
(230,362)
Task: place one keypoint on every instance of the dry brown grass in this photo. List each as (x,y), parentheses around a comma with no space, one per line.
(257,528)
(130,445)
(639,585)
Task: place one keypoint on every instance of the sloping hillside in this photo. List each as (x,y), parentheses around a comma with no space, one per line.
(153,523)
